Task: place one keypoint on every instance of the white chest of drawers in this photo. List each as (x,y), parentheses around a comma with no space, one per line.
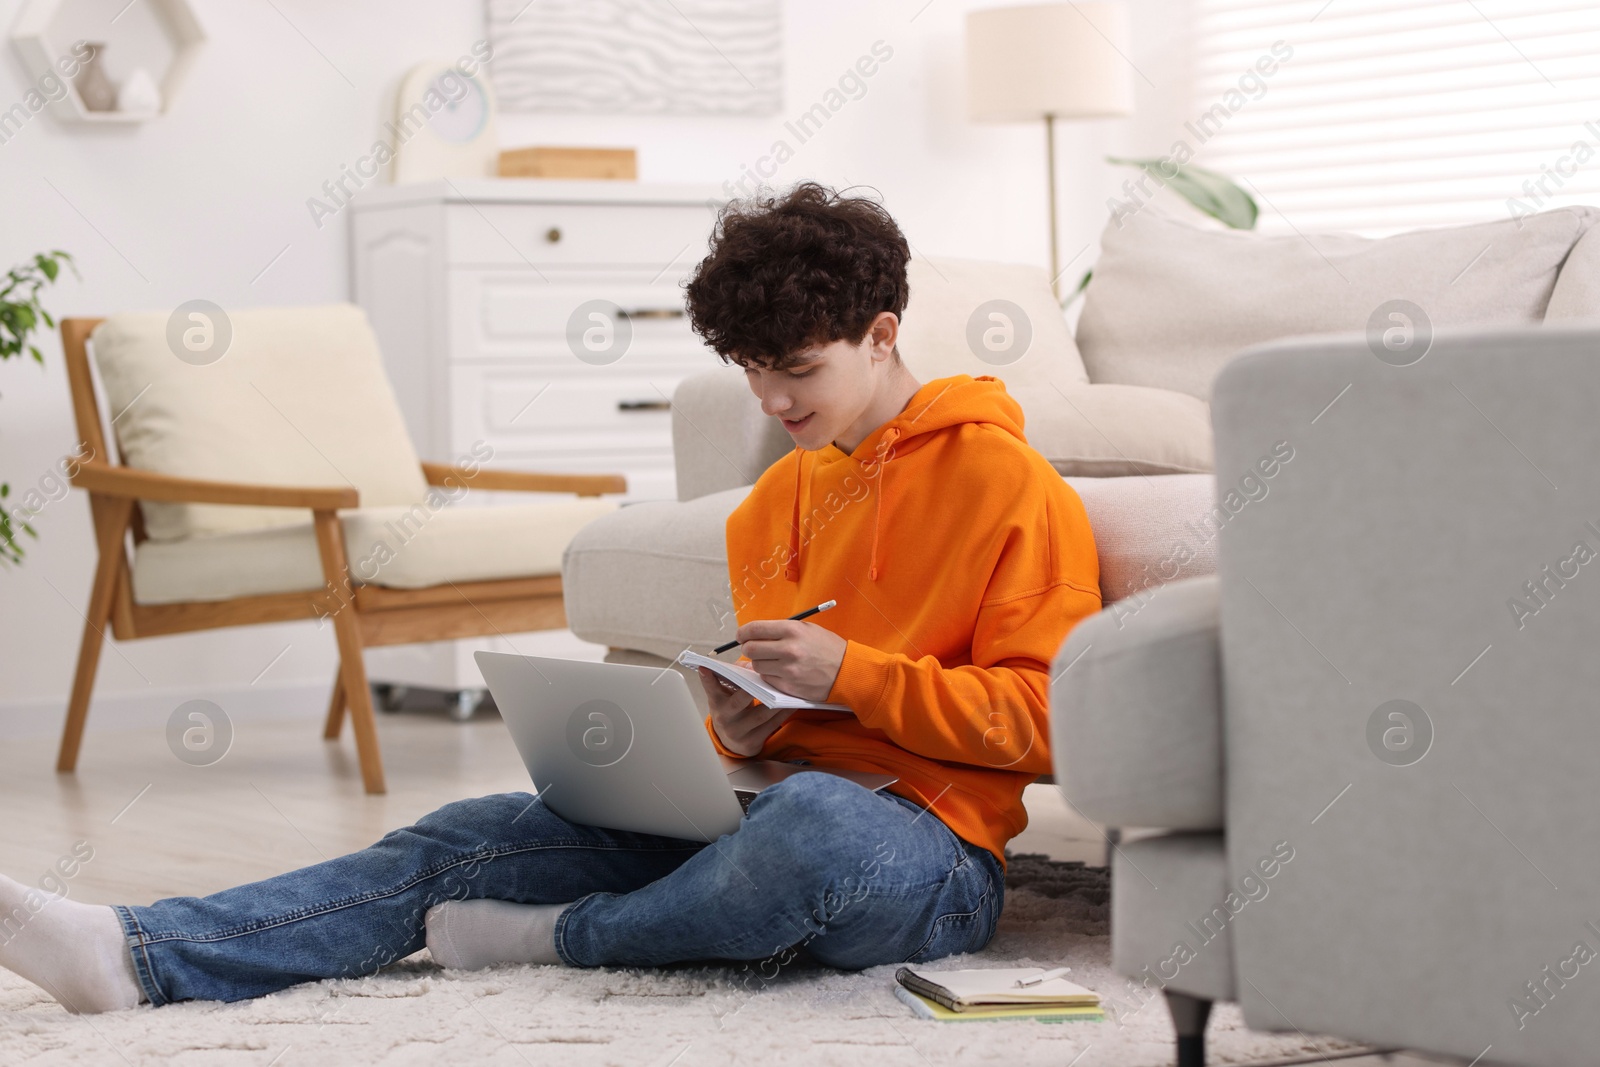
(501,307)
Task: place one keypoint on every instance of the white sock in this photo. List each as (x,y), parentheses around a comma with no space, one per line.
(75,952)
(470,934)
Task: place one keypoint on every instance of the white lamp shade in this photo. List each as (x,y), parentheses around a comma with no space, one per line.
(1066,60)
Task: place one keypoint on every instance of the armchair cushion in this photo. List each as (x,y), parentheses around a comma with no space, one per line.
(299,397)
(1136,711)
(1171,302)
(399,547)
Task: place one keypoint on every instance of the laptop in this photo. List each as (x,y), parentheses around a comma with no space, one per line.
(624,747)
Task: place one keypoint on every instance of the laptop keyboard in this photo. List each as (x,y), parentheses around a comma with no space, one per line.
(745,797)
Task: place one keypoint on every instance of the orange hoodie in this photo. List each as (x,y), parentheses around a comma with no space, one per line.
(960,560)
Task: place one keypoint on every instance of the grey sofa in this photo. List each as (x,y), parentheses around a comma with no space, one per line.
(1369,738)
(1364,945)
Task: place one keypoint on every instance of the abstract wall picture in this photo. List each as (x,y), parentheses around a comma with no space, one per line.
(661,57)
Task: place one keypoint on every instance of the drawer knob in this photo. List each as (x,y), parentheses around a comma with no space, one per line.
(652,313)
(644,405)
(553,234)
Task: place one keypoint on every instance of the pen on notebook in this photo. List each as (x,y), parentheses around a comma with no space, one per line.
(824,606)
(1059,972)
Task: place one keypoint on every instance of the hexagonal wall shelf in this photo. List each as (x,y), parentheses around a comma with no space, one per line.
(159,36)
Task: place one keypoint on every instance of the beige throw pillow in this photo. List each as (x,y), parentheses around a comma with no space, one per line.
(962,316)
(969,316)
(1110,430)
(1170,302)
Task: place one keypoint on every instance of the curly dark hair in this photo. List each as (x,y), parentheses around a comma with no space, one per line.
(786,272)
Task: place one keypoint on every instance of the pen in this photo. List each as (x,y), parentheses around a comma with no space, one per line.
(1059,972)
(824,606)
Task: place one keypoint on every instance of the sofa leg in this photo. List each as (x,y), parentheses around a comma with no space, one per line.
(1189,1015)
(1113,839)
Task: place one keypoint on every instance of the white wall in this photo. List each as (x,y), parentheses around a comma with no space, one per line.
(198,202)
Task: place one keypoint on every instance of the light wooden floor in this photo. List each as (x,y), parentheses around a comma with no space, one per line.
(282,798)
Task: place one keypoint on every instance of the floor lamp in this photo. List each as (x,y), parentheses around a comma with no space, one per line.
(1050,61)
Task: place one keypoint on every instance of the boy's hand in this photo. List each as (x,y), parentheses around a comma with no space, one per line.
(794,656)
(742,726)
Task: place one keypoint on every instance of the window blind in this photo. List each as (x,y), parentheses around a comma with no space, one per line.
(1391,115)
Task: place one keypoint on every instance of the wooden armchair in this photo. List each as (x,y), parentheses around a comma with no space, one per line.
(364,611)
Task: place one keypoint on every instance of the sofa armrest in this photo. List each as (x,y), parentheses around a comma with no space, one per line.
(1136,711)
(720,437)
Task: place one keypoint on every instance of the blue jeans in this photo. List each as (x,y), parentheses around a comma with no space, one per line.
(819,866)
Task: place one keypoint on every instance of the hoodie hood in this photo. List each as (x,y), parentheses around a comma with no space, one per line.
(935,408)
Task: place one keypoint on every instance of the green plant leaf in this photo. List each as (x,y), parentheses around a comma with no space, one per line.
(1213,193)
(20,315)
(1082,284)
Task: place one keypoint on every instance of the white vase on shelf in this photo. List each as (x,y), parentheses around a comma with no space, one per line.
(139,94)
(94,88)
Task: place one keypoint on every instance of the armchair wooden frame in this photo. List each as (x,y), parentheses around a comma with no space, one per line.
(363,616)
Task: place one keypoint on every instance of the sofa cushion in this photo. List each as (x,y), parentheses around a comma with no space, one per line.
(1170,302)
(653,576)
(1101,431)
(1148,531)
(1136,711)
(399,547)
(722,439)
(299,397)
(946,324)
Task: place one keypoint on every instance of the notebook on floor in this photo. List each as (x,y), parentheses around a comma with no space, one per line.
(994,993)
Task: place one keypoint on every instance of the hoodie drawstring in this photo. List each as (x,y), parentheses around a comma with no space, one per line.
(792,570)
(888,441)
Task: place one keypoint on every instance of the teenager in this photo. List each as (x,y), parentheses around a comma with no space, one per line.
(959,560)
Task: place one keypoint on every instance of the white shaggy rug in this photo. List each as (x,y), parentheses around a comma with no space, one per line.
(413,1013)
